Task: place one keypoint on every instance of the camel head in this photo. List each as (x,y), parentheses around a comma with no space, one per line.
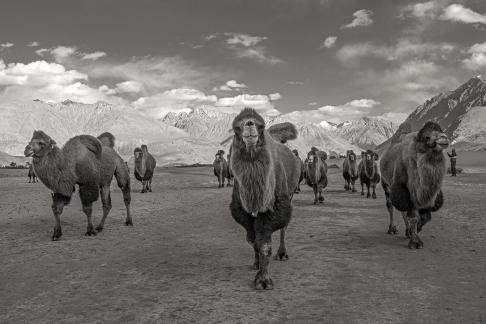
(249,130)
(296,153)
(369,155)
(431,137)
(140,158)
(312,157)
(39,145)
(351,155)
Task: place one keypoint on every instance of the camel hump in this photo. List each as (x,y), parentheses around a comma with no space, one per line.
(107,139)
(92,144)
(283,132)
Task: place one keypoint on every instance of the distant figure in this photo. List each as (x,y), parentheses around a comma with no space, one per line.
(144,167)
(302,170)
(221,169)
(32,176)
(453,158)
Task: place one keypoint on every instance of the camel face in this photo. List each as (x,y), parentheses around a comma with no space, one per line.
(40,141)
(251,132)
(432,137)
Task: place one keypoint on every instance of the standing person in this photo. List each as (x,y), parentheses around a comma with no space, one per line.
(453,158)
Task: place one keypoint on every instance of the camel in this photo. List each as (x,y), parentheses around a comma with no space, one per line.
(316,174)
(221,170)
(266,175)
(350,171)
(144,167)
(412,171)
(31,175)
(302,170)
(86,161)
(368,173)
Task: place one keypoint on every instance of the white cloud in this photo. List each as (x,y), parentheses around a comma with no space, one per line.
(429,9)
(248,46)
(261,103)
(275,96)
(329,42)
(363,103)
(6,45)
(313,103)
(41,51)
(295,82)
(33,44)
(129,86)
(62,52)
(210,37)
(403,49)
(362,18)
(395,117)
(93,56)
(459,13)
(232,85)
(477,60)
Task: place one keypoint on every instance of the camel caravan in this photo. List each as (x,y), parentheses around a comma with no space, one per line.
(264,174)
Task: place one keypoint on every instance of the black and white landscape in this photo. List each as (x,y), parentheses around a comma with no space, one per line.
(91,91)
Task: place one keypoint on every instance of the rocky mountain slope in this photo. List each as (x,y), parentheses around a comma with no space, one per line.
(461,113)
(366,132)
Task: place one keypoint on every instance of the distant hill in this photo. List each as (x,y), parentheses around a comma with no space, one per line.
(7,159)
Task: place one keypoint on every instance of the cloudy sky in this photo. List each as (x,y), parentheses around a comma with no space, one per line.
(320,59)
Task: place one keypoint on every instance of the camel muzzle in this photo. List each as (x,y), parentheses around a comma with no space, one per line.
(28,152)
(443,141)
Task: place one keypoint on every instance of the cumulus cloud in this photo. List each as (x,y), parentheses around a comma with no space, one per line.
(248,46)
(429,9)
(41,51)
(313,103)
(329,42)
(93,56)
(6,45)
(362,18)
(210,37)
(459,13)
(46,81)
(477,60)
(62,52)
(261,103)
(33,44)
(275,96)
(231,85)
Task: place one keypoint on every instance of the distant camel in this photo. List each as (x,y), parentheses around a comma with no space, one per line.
(144,167)
(220,169)
(86,161)
(368,173)
(32,176)
(350,171)
(266,176)
(412,171)
(302,170)
(316,174)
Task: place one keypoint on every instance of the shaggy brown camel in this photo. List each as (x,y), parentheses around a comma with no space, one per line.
(412,171)
(86,161)
(32,176)
(350,171)
(316,174)
(266,175)
(302,170)
(144,167)
(221,170)
(368,173)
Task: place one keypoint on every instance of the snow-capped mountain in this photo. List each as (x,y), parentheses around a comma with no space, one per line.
(461,114)
(366,132)
(66,119)
(212,124)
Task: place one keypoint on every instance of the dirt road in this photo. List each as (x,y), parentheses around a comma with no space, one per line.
(186,260)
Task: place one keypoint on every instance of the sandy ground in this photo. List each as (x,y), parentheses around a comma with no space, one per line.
(186,260)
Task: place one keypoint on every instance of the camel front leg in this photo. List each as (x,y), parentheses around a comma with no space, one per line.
(144,183)
(282,250)
(368,195)
(415,241)
(264,246)
(362,189)
(58,203)
(408,232)
(392,229)
(316,199)
(321,197)
(353,186)
(374,192)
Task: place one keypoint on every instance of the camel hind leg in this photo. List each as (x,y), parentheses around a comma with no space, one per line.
(123,181)
(149,185)
(88,194)
(106,202)
(392,228)
(58,203)
(282,250)
(373,195)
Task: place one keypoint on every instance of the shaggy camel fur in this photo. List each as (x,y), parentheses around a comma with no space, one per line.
(221,170)
(84,160)
(144,167)
(350,171)
(302,170)
(368,173)
(412,171)
(31,175)
(316,174)
(266,175)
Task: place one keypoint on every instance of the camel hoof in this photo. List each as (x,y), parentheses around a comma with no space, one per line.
(392,229)
(408,233)
(150,190)
(263,282)
(222,186)
(281,255)
(142,191)
(90,231)
(56,235)
(415,244)
(321,200)
(362,194)
(99,229)
(373,196)
(128,222)
(315,202)
(354,190)
(368,196)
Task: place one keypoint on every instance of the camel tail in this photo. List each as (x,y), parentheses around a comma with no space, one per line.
(92,144)
(283,132)
(107,139)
